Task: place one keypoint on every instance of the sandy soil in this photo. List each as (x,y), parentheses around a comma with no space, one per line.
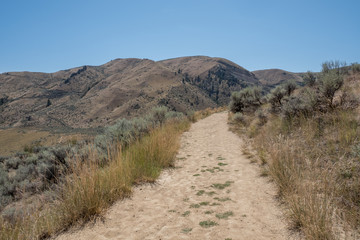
(185,196)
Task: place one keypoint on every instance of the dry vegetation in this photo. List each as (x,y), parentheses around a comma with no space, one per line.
(312,152)
(95,96)
(14,140)
(93,182)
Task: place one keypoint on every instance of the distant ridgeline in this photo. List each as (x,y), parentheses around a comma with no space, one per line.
(92,96)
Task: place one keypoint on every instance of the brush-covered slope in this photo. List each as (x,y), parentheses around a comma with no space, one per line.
(92,96)
(273,77)
(218,77)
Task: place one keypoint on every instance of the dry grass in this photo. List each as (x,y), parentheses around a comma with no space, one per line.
(14,140)
(316,169)
(314,161)
(92,189)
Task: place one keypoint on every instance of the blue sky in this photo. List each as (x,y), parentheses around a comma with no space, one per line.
(51,35)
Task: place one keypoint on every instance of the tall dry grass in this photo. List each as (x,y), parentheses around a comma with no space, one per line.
(91,189)
(317,170)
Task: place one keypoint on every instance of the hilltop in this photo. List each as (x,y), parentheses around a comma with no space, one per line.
(273,77)
(93,96)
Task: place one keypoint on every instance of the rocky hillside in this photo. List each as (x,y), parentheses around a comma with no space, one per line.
(92,96)
(273,77)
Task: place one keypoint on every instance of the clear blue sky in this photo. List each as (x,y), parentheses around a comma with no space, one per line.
(295,35)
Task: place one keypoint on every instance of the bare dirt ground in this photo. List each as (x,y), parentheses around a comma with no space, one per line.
(213,184)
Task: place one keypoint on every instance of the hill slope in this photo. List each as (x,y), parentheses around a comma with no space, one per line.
(92,96)
(273,77)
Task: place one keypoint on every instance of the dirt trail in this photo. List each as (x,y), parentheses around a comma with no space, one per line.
(210,158)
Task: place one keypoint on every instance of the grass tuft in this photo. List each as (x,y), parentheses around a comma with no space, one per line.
(222,199)
(186,213)
(224,215)
(222,185)
(186,230)
(208,224)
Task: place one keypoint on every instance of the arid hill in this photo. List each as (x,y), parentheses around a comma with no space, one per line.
(273,77)
(92,96)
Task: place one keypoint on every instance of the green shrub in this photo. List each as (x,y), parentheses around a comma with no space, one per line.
(334,66)
(289,87)
(249,97)
(236,102)
(174,115)
(295,107)
(158,114)
(310,79)
(330,82)
(121,132)
(355,67)
(141,126)
(275,97)
(191,116)
(238,118)
(9,214)
(12,162)
(24,171)
(3,176)
(261,115)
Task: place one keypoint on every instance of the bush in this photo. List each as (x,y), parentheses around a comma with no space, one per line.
(158,114)
(191,116)
(236,102)
(120,132)
(289,87)
(260,114)
(310,79)
(275,97)
(238,118)
(330,82)
(3,176)
(141,126)
(12,162)
(9,214)
(295,107)
(24,172)
(355,67)
(334,66)
(246,98)
(174,115)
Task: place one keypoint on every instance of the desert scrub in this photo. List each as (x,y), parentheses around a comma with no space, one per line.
(309,147)
(90,186)
(238,118)
(247,98)
(317,180)
(40,167)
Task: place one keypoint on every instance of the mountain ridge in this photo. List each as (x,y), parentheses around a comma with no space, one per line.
(92,96)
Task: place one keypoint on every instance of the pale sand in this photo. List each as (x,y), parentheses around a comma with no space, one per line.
(155,211)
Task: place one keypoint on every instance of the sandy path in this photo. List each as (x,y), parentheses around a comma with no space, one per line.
(209,154)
